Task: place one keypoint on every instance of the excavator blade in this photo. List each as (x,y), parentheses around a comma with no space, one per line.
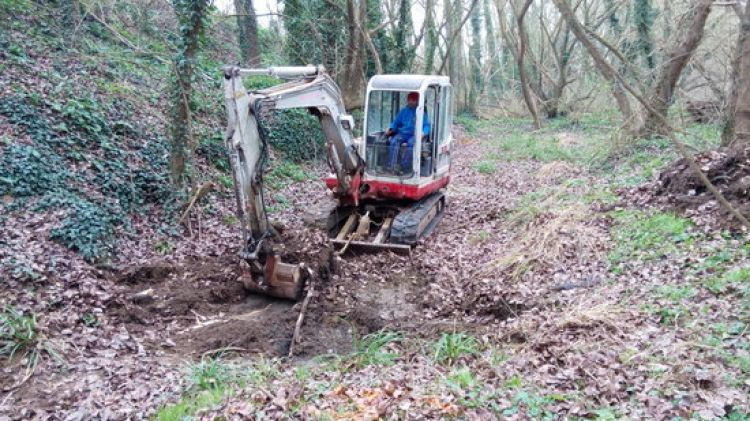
(280,280)
(396,229)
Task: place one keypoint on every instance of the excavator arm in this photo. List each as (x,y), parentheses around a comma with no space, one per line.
(308,87)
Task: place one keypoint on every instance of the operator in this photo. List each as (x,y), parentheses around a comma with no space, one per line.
(402,132)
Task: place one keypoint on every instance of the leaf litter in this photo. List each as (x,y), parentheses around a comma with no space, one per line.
(559,333)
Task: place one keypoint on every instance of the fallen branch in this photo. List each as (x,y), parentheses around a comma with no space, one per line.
(301,317)
(199,194)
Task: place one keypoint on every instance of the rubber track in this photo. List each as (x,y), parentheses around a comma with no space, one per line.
(406,224)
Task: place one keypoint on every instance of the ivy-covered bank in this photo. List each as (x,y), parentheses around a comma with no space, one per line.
(87,138)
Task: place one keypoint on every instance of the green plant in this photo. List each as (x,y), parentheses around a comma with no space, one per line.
(516,146)
(211,380)
(646,237)
(533,405)
(468,121)
(284,173)
(373,349)
(676,293)
(733,278)
(671,315)
(295,133)
(213,149)
(189,405)
(515,382)
(163,247)
(262,371)
(89,320)
(29,171)
(451,346)
(20,335)
(87,229)
(211,374)
(18,332)
(605,414)
(486,167)
(470,391)
(9,7)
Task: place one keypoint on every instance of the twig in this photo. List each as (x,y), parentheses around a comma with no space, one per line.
(222,350)
(199,194)
(301,317)
(346,246)
(5,399)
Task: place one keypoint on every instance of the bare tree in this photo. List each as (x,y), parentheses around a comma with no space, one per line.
(431,41)
(523,41)
(673,67)
(607,72)
(742,112)
(728,130)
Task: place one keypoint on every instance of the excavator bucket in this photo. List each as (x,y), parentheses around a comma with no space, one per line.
(280,280)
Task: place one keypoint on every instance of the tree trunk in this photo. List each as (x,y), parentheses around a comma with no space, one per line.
(673,67)
(71,14)
(192,15)
(352,82)
(475,60)
(432,37)
(493,55)
(742,113)
(607,72)
(644,19)
(523,40)
(247,32)
(403,37)
(727,133)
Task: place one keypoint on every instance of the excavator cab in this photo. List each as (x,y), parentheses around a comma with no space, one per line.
(386,96)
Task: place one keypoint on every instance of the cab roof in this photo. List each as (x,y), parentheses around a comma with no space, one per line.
(406,82)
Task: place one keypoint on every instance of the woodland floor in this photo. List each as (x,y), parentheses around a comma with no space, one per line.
(556,286)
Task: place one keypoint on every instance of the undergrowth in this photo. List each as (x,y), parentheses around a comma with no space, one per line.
(211,380)
(375,349)
(451,346)
(21,337)
(639,236)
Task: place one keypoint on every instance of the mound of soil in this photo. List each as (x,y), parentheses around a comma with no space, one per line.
(727,168)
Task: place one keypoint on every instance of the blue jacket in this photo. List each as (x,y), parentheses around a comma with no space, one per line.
(405,121)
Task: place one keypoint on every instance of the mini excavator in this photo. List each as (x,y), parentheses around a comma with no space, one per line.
(381,206)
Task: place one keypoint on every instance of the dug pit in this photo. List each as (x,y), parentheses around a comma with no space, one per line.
(200,308)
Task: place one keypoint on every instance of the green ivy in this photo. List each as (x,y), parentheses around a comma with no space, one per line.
(87,228)
(78,164)
(215,151)
(28,171)
(295,133)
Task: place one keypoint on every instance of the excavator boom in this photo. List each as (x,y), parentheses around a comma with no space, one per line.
(309,87)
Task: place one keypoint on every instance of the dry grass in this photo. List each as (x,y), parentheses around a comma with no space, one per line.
(555,172)
(568,139)
(552,239)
